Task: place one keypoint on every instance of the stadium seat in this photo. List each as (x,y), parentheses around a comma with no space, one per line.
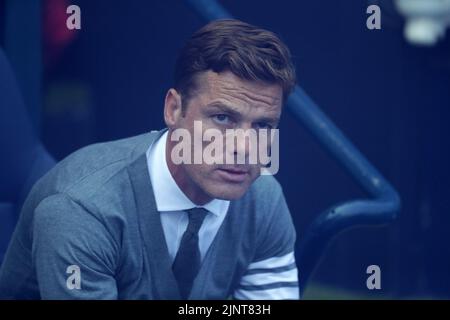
(24,159)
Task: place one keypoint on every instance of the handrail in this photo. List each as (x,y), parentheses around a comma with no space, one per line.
(385,202)
(381,209)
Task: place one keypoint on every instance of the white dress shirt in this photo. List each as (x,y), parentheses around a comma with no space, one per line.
(272,278)
(171,202)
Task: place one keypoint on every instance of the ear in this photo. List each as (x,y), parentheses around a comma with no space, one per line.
(172,108)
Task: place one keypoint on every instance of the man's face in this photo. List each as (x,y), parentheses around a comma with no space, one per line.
(221,101)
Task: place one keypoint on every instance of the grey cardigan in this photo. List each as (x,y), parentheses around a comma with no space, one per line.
(95,211)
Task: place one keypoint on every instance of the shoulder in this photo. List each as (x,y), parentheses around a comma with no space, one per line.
(269,217)
(87,181)
(265,202)
(265,190)
(88,168)
(101,156)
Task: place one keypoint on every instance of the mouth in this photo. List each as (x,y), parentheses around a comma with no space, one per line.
(235,175)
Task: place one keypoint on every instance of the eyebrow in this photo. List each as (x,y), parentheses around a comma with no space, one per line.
(225,108)
(230,110)
(273,121)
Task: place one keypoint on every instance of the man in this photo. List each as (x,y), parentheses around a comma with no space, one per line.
(127,220)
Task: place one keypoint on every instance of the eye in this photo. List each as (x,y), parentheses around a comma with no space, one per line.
(263,125)
(221,119)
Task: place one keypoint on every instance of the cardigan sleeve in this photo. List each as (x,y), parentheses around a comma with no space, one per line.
(73,253)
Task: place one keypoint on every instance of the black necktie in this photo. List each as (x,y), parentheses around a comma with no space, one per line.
(187,262)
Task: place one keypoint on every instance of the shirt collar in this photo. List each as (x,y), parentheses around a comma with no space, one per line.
(168,195)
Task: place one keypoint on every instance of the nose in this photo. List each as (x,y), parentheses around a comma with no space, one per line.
(242,146)
(241,143)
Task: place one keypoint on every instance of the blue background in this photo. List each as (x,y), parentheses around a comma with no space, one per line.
(390,98)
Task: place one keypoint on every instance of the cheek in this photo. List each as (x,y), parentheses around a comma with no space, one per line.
(255,172)
(201,173)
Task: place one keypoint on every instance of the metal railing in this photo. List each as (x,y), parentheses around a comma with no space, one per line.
(380,209)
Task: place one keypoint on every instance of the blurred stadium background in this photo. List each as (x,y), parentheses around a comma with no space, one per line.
(392,99)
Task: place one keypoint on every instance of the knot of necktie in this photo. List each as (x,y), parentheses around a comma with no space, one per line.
(196,217)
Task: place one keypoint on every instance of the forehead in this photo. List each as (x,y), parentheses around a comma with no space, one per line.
(230,89)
